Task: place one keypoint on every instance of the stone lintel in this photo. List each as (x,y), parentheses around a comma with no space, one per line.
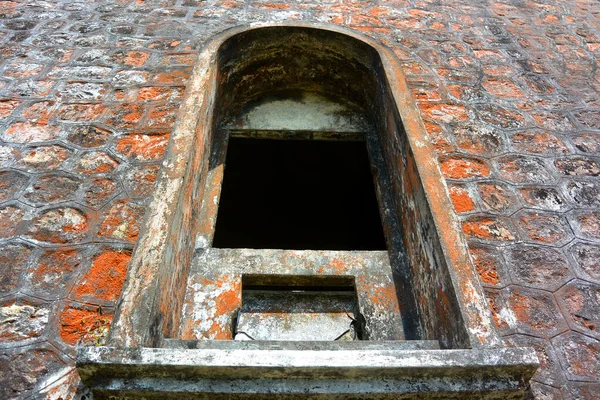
(359,373)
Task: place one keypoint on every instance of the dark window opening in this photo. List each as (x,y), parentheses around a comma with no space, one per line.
(289,194)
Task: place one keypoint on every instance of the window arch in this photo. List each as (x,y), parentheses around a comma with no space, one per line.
(353,89)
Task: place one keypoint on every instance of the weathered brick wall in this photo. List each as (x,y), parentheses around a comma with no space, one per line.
(509,91)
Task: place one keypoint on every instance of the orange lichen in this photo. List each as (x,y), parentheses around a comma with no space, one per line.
(478,230)
(105,278)
(149,93)
(459,168)
(487,228)
(53,265)
(39,113)
(84,326)
(25,132)
(502,88)
(229,300)
(272,6)
(136,58)
(177,76)
(461,199)
(133,116)
(521,307)
(162,117)
(385,296)
(226,303)
(7,107)
(487,273)
(338,265)
(444,112)
(143,146)
(495,313)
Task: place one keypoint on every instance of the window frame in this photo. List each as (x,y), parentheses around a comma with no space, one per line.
(149,307)
(451,303)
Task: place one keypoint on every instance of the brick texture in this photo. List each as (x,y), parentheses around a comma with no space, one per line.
(509,92)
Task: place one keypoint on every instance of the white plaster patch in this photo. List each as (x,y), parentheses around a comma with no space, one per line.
(56,385)
(507,315)
(285,15)
(7,155)
(22,322)
(308,112)
(205,308)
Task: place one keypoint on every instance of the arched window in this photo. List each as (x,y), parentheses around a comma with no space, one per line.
(300,200)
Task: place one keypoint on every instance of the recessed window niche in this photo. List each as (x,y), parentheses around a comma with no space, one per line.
(300,241)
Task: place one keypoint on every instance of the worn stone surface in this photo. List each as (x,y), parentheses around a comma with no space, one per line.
(538,266)
(578,355)
(89,136)
(42,158)
(575,390)
(214,289)
(100,191)
(11,219)
(524,169)
(522,75)
(122,221)
(533,312)
(489,265)
(499,198)
(139,181)
(544,198)
(549,371)
(544,228)
(10,184)
(587,257)
(60,225)
(13,261)
(383,374)
(51,189)
(546,392)
(51,276)
(27,368)
(103,281)
(22,321)
(96,162)
(581,303)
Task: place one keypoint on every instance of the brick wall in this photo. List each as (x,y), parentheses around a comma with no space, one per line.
(509,91)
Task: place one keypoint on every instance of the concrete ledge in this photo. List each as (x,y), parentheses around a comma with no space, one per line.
(338,373)
(302,345)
